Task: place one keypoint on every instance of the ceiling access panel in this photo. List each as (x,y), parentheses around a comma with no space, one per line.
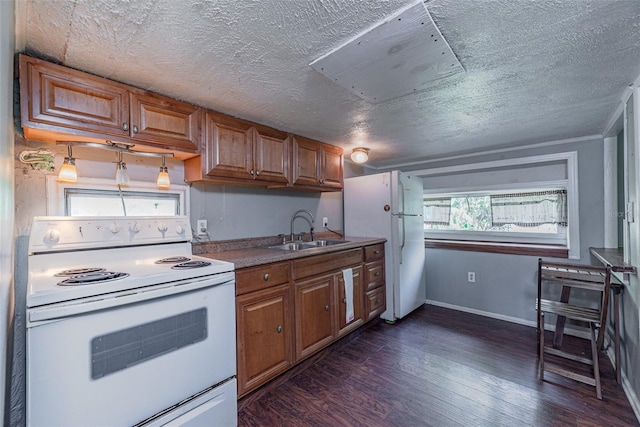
(403,54)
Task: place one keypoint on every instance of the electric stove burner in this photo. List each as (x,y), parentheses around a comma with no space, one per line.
(93,278)
(173,260)
(190,264)
(76,271)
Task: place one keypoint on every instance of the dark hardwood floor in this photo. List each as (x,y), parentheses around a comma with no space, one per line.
(436,367)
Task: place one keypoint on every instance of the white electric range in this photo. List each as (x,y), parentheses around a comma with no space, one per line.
(126,327)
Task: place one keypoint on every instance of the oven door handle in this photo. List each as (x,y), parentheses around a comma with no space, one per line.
(58,311)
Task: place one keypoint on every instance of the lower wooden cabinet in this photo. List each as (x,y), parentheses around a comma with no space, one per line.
(287,311)
(265,336)
(315,314)
(344,326)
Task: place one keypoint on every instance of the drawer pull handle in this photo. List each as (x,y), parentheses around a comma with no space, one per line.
(279,329)
(376,252)
(344,300)
(377,273)
(326,308)
(266,276)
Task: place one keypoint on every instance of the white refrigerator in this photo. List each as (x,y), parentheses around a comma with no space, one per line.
(390,205)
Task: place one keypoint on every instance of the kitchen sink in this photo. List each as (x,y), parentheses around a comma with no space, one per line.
(317,243)
(287,246)
(296,246)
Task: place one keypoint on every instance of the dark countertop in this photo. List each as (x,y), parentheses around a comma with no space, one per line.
(613,257)
(252,256)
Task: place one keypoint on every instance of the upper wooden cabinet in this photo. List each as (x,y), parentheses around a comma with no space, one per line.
(240,150)
(316,164)
(58,99)
(160,120)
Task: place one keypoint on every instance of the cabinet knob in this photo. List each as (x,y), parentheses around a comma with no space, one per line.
(377,273)
(266,276)
(344,300)
(251,172)
(322,181)
(257,173)
(326,308)
(135,129)
(279,329)
(125,126)
(376,252)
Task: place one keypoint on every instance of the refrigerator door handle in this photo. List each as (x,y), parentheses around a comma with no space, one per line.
(403,238)
(401,185)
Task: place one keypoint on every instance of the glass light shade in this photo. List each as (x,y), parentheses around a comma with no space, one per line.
(360,155)
(163,179)
(122,177)
(68,172)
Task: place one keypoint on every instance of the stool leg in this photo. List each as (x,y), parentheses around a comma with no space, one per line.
(541,348)
(616,325)
(596,366)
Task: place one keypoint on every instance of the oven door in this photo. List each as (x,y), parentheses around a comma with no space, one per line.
(124,359)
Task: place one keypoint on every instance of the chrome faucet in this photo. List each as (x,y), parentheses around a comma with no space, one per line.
(297,214)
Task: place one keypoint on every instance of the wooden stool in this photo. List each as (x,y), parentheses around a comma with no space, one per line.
(596,280)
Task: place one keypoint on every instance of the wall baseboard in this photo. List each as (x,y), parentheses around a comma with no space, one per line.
(632,397)
(626,384)
(569,330)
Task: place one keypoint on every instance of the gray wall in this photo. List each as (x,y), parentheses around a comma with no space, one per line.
(7,23)
(240,212)
(506,284)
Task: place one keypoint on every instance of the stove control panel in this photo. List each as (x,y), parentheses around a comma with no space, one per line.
(62,233)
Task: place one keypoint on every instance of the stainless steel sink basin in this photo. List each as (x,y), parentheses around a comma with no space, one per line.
(296,246)
(317,243)
(287,246)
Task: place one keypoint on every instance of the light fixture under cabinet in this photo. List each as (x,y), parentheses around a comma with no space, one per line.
(360,155)
(163,176)
(68,171)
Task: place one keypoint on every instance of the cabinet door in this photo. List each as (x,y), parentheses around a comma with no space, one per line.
(228,147)
(331,167)
(55,97)
(314,305)
(306,161)
(164,121)
(344,326)
(264,328)
(271,155)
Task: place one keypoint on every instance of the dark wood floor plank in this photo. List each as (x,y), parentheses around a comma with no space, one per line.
(437,367)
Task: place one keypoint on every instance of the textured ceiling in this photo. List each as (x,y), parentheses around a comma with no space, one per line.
(536,71)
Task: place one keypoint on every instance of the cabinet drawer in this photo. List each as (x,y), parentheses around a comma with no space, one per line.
(319,264)
(375,252)
(262,277)
(375,302)
(374,274)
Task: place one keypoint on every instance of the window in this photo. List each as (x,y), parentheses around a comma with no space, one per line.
(84,202)
(538,216)
(526,205)
(100,197)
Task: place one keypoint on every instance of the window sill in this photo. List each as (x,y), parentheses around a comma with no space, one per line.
(555,251)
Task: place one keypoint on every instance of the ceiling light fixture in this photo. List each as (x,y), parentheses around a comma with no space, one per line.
(68,172)
(163,176)
(360,155)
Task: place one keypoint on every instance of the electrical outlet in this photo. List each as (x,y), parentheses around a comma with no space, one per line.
(471,277)
(201,229)
(325,221)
